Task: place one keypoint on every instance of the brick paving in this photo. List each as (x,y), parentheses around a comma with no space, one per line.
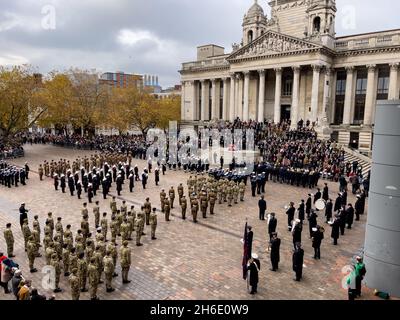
(189,261)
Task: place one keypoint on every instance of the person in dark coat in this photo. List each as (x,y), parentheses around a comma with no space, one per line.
(90,192)
(63,183)
(254,268)
(329,210)
(79,189)
(349,216)
(290,214)
(317,196)
(272,224)
(317,238)
(275,251)
(23,214)
(56,182)
(296,233)
(157,176)
(144,179)
(312,222)
(301,211)
(335,230)
(308,205)
(344,198)
(338,203)
(262,205)
(298,260)
(119,184)
(131,182)
(71,185)
(325,193)
(358,207)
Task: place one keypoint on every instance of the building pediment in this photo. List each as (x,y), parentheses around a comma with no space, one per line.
(273,43)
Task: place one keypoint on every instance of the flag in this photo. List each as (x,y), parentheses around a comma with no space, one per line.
(245,253)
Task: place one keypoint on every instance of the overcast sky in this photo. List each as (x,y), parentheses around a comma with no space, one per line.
(144,36)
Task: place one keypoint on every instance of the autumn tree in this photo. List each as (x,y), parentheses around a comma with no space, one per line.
(169,109)
(20,104)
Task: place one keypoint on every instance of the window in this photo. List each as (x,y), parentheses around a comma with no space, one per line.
(361,88)
(287,86)
(383,84)
(341,87)
(250,36)
(317,24)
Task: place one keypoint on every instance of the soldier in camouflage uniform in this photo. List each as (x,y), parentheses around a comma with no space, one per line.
(58,246)
(125,256)
(167,209)
(124,209)
(36,226)
(125,228)
(32,251)
(96,213)
(75,285)
(112,247)
(113,205)
(212,198)
(147,210)
(82,272)
(195,208)
(138,228)
(203,203)
(230,194)
(65,260)
(59,229)
(183,203)
(114,228)
(180,192)
(94,279)
(171,194)
(26,233)
(98,261)
(85,211)
(47,229)
(242,190)
(85,227)
(9,238)
(50,223)
(104,226)
(49,253)
(163,195)
(131,222)
(68,237)
(55,263)
(120,219)
(235,188)
(153,223)
(108,271)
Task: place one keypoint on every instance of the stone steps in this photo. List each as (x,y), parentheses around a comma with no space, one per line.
(365,165)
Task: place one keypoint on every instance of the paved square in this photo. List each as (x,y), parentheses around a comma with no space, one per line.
(189,261)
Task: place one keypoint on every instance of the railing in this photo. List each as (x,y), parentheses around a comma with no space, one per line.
(205,63)
(371,41)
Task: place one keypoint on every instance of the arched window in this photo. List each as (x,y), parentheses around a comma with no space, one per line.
(250,36)
(317,24)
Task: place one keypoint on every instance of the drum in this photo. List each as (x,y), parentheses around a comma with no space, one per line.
(320,204)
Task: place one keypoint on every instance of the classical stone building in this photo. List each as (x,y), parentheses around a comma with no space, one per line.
(292,66)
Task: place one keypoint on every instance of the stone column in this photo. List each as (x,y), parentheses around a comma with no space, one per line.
(295,97)
(315,92)
(183,111)
(394,81)
(204,99)
(348,99)
(239,92)
(278,94)
(246,96)
(195,101)
(224,115)
(213,99)
(261,96)
(327,94)
(370,96)
(232,98)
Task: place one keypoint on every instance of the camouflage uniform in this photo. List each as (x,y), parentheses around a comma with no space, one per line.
(82,273)
(57,268)
(195,209)
(242,190)
(163,195)
(9,237)
(32,251)
(96,213)
(75,285)
(153,223)
(125,256)
(108,271)
(138,228)
(183,203)
(94,279)
(104,227)
(167,209)
(65,259)
(147,211)
(171,194)
(212,197)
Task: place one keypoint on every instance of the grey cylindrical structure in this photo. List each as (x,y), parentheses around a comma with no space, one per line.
(382,241)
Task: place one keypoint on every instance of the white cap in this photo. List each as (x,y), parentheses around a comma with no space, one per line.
(254,255)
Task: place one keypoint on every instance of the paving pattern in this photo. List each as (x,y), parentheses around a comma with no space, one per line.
(189,261)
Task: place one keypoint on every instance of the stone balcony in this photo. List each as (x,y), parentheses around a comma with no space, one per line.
(368,41)
(206,64)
